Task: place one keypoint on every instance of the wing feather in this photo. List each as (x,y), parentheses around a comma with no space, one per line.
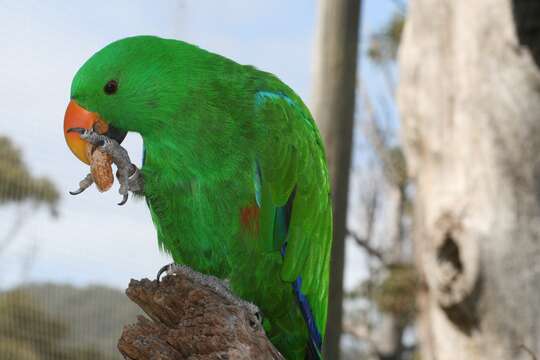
(293,159)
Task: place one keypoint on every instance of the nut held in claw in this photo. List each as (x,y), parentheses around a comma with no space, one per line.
(101,169)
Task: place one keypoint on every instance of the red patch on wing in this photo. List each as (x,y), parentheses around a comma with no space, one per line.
(249,219)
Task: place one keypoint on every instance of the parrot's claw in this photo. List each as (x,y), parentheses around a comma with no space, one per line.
(124,200)
(76,192)
(135,181)
(77,130)
(164,269)
(83,185)
(128,174)
(168,269)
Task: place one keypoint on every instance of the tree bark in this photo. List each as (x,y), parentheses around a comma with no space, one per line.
(190,320)
(470,105)
(334,100)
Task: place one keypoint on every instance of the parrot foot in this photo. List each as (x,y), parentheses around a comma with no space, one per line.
(83,184)
(128,174)
(219,286)
(136,181)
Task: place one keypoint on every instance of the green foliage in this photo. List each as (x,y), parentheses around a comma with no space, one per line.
(87,353)
(384,45)
(96,314)
(394,294)
(28,333)
(17,183)
(396,169)
(397,292)
(20,320)
(16,350)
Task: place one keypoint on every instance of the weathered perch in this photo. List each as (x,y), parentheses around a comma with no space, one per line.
(190,319)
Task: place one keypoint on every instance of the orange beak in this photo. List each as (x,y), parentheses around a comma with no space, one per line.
(78,117)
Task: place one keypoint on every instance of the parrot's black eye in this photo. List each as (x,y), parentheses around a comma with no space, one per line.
(111,87)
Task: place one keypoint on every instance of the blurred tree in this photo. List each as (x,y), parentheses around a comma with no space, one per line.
(334,102)
(17,185)
(384,44)
(16,350)
(382,308)
(383,48)
(16,182)
(470,108)
(27,333)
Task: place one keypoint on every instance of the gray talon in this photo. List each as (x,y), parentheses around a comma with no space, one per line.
(164,270)
(128,175)
(77,192)
(83,184)
(77,130)
(124,200)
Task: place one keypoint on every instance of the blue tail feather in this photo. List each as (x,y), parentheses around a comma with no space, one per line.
(315,339)
(314,345)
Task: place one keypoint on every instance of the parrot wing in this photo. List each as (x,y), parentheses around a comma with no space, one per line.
(294,191)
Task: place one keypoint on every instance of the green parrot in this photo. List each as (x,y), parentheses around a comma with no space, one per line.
(235,173)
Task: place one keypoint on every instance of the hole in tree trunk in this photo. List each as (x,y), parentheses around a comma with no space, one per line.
(526,18)
(449,252)
(461,313)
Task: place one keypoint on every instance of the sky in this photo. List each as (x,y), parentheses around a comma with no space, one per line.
(44,43)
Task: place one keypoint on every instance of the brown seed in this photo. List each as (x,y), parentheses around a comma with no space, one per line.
(101,169)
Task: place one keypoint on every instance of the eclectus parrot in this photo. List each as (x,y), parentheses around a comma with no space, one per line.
(234,170)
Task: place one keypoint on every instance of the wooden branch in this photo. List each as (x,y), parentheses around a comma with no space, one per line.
(528,351)
(189,319)
(370,250)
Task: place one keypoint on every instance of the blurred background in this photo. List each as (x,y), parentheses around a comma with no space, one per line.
(431,143)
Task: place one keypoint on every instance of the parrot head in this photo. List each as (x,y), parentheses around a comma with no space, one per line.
(120,89)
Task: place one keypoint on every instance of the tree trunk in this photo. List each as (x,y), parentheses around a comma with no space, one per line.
(470,104)
(191,320)
(334,99)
